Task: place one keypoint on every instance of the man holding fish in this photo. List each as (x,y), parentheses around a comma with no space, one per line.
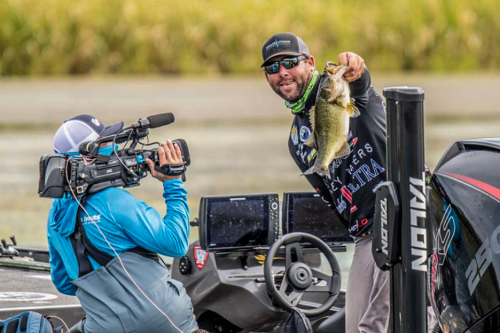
(338,140)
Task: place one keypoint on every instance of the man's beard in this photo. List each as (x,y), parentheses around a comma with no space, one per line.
(302,84)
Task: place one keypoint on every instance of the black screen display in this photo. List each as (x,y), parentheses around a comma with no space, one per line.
(307,212)
(237,222)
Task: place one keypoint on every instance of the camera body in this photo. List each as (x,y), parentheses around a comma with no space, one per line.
(91,172)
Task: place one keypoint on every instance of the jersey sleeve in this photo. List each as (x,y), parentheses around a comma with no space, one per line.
(320,188)
(359,89)
(167,235)
(58,272)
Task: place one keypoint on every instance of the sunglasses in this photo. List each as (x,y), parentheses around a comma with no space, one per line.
(287,63)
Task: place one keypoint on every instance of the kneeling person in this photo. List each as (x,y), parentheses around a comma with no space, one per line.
(132,292)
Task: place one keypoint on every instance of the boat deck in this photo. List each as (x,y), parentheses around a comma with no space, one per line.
(28,286)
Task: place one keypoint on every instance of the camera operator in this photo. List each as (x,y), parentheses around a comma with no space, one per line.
(132,292)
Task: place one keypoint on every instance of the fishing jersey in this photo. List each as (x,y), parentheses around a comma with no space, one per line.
(350,191)
(127,223)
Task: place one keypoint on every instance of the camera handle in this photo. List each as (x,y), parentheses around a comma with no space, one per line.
(172,170)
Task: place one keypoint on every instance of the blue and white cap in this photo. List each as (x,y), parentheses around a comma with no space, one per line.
(83,128)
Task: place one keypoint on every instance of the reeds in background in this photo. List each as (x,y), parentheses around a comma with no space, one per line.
(200,37)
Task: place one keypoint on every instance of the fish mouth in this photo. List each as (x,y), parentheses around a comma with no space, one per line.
(340,72)
(337,71)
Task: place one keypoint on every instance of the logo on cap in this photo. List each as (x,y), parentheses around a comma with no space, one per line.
(277,43)
(96,122)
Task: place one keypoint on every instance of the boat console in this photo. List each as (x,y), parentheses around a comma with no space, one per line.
(231,263)
(239,222)
(307,212)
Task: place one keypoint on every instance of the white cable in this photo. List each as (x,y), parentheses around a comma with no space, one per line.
(62,321)
(117,255)
(88,161)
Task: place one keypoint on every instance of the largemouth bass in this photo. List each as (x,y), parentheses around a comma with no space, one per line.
(330,119)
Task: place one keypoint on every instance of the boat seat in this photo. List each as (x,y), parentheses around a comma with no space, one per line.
(333,324)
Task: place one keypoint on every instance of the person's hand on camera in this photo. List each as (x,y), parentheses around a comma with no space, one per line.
(356,65)
(168,153)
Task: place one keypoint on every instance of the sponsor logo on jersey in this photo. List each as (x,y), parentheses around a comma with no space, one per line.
(90,219)
(311,155)
(347,194)
(305,132)
(294,135)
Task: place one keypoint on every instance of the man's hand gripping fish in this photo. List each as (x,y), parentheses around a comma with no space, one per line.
(330,119)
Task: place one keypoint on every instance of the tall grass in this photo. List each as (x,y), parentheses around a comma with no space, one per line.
(196,37)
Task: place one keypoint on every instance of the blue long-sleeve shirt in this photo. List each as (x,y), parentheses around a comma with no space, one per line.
(125,221)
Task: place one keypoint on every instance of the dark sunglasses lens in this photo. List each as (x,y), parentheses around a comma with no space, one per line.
(289,63)
(272,68)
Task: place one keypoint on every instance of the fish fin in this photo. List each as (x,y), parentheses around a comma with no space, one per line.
(313,170)
(311,117)
(344,150)
(332,99)
(325,172)
(311,141)
(309,171)
(352,109)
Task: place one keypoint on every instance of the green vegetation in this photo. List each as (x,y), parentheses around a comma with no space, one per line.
(197,37)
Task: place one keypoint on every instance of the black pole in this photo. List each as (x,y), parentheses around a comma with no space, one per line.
(405,165)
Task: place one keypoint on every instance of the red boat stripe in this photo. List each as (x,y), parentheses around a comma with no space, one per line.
(492,190)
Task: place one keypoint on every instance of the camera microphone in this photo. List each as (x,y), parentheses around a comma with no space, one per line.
(155,121)
(160,120)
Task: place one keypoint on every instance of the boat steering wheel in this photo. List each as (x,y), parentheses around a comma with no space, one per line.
(299,278)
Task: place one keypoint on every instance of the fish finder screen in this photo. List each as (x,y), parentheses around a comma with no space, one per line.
(237,222)
(310,214)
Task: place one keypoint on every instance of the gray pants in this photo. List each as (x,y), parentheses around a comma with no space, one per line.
(113,303)
(368,292)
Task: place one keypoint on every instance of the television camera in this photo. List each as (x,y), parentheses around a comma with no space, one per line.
(91,172)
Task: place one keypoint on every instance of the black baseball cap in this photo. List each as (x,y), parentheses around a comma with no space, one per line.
(79,129)
(284,43)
